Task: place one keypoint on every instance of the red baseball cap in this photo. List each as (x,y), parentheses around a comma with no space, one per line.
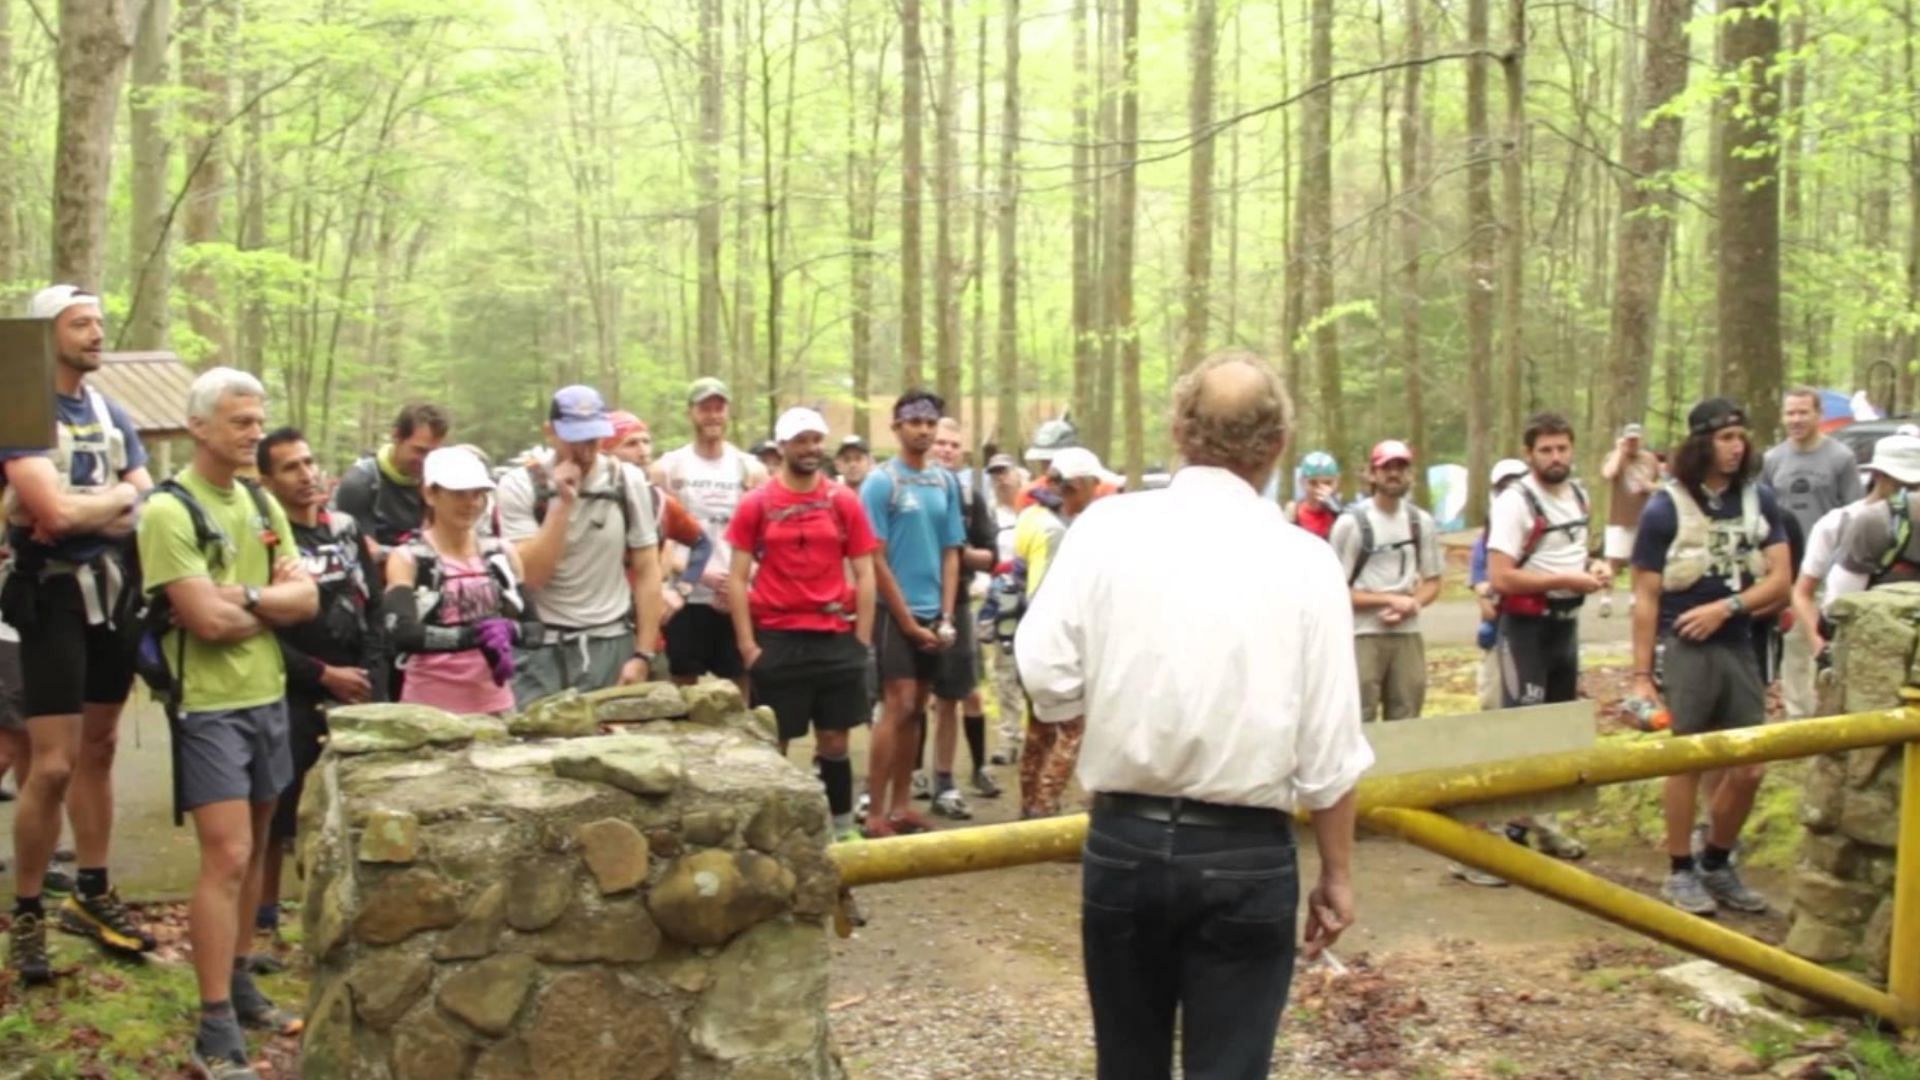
(1391,450)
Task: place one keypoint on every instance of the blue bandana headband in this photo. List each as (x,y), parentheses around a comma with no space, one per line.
(917,410)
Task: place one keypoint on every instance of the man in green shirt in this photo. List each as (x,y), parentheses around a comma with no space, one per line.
(221,552)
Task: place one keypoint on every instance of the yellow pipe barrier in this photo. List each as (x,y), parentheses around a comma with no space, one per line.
(1654,918)
(1903,964)
(993,847)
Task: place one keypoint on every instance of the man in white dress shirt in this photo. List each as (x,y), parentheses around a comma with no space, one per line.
(1214,706)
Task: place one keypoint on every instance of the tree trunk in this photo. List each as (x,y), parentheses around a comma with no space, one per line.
(1413,211)
(1203,43)
(204,62)
(1480,267)
(1007,344)
(1749,209)
(1106,384)
(1513,196)
(1316,227)
(946,170)
(1124,231)
(742,326)
(149,254)
(253,327)
(1647,204)
(912,92)
(1008,440)
(1086,349)
(96,38)
(706,177)
(9,161)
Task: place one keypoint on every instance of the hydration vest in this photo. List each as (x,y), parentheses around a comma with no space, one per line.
(1690,555)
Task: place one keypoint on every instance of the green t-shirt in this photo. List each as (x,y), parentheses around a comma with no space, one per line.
(223,675)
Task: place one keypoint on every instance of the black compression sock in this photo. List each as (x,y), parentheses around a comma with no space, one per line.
(836,775)
(91,881)
(29,905)
(975,729)
(1680,863)
(1714,858)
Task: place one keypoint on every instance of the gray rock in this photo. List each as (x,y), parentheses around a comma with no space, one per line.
(1832,853)
(538,892)
(708,897)
(1876,943)
(1872,815)
(404,904)
(390,836)
(1820,941)
(768,995)
(504,1060)
(478,932)
(713,701)
(638,704)
(642,764)
(391,726)
(428,1045)
(486,995)
(1825,794)
(326,1046)
(615,852)
(617,933)
(564,715)
(386,983)
(590,1024)
(708,828)
(1841,903)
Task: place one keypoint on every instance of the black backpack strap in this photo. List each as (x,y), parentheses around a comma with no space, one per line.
(1358,514)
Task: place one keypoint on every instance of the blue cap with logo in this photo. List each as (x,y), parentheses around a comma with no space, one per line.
(579,415)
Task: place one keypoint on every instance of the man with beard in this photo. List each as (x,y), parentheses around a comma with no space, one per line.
(914,507)
(709,476)
(1711,550)
(583,523)
(804,631)
(70,512)
(1811,475)
(333,659)
(1391,554)
(958,687)
(382,493)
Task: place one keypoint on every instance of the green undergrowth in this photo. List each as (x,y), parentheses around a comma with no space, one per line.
(1632,815)
(1874,1055)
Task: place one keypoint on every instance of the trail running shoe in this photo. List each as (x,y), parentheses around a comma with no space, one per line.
(230,1067)
(984,785)
(1476,877)
(1552,841)
(950,804)
(922,787)
(1726,888)
(56,882)
(860,808)
(1685,891)
(27,950)
(106,920)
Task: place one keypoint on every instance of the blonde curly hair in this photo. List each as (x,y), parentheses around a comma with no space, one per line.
(1238,420)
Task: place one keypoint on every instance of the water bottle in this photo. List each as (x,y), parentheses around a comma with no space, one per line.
(1646,715)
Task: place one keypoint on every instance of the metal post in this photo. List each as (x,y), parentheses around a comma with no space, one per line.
(1903,963)
(1656,919)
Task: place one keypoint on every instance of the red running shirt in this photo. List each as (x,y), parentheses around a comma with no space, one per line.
(1317,518)
(799,541)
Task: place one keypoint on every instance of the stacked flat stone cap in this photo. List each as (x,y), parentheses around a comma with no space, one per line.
(626,883)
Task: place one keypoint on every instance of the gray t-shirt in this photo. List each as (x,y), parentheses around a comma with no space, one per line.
(589,588)
(1395,565)
(1809,483)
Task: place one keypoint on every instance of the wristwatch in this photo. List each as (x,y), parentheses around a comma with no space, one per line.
(250,598)
(1735,605)
(643,656)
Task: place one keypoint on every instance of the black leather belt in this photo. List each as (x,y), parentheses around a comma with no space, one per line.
(1174,811)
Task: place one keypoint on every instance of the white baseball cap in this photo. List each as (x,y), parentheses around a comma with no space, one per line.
(1897,456)
(456,468)
(1078,462)
(798,421)
(53,301)
(1508,469)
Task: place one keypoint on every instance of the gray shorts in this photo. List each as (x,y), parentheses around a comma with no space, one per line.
(233,755)
(582,663)
(1712,687)
(13,701)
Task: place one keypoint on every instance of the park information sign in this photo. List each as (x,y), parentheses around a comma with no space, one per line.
(26,384)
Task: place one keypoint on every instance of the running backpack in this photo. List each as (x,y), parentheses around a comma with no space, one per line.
(543,492)
(1902,522)
(1534,604)
(926,478)
(430,578)
(1358,512)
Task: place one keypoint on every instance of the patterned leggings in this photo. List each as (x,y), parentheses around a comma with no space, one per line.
(1046,765)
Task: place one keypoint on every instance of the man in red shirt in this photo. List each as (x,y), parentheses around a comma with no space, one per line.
(804,633)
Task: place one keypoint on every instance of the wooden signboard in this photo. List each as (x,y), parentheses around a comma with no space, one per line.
(1438,742)
(26,384)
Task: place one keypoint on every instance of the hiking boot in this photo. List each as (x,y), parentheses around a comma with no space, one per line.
(27,950)
(106,920)
(229,1067)
(1551,841)
(1685,891)
(1476,877)
(950,804)
(1726,888)
(984,785)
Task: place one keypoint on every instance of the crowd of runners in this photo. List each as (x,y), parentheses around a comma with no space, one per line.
(252,593)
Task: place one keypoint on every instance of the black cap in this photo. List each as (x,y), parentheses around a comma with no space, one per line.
(852,442)
(1713,414)
(765,446)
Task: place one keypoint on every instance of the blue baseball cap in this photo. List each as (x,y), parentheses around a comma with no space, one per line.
(579,415)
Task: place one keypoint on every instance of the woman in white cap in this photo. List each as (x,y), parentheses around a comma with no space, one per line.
(453,599)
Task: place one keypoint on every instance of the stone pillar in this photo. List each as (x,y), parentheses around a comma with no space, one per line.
(631,883)
(1843,885)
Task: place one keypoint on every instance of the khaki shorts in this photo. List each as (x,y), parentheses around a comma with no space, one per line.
(1393,675)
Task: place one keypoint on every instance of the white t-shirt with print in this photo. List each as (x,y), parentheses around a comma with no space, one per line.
(711,489)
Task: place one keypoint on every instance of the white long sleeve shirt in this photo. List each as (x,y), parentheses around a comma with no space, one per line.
(1226,677)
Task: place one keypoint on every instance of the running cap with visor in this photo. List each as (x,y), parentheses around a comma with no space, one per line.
(1078,463)
(1713,414)
(54,300)
(707,387)
(1391,450)
(854,443)
(579,414)
(798,421)
(456,468)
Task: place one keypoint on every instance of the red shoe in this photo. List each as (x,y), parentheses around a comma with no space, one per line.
(878,828)
(907,823)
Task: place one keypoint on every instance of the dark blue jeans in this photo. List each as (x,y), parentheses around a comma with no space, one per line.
(1199,922)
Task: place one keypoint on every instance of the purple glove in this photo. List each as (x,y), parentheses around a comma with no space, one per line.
(494,639)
